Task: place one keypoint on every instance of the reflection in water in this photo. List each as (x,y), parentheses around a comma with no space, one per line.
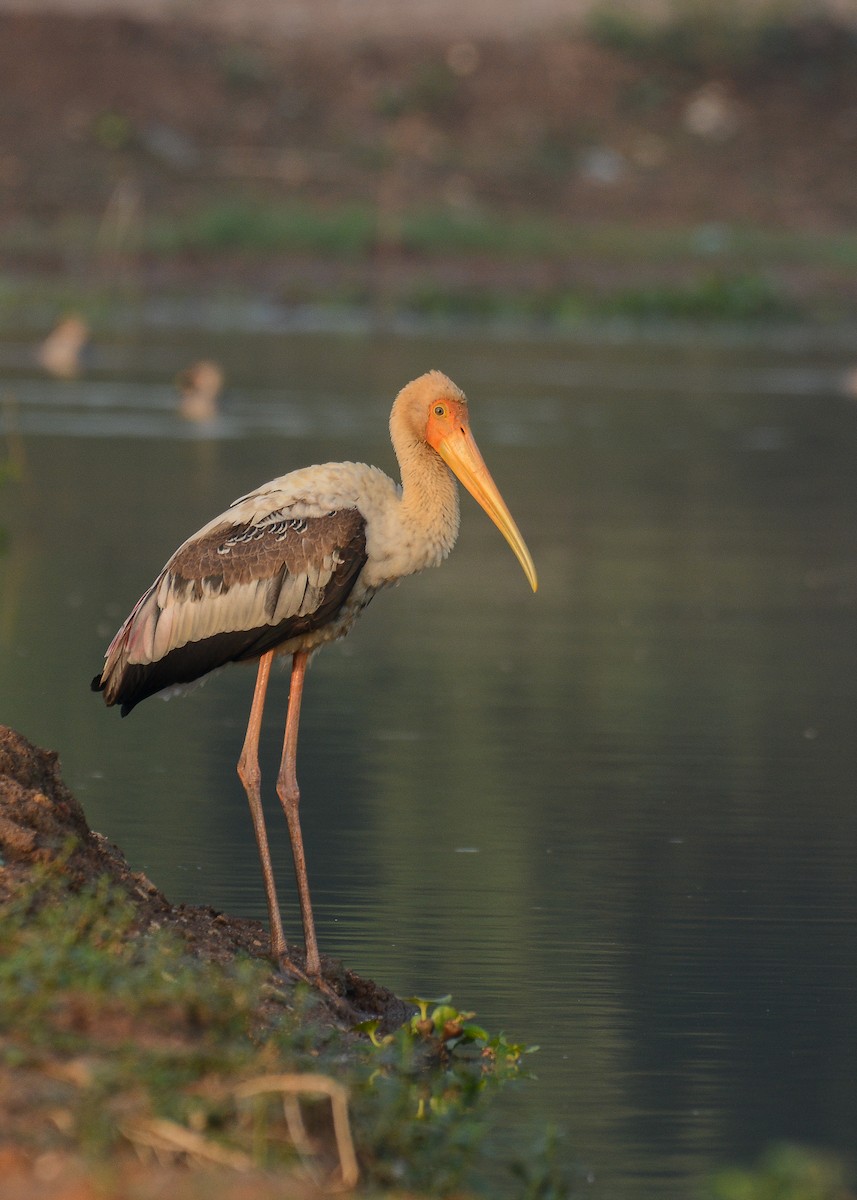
(616,819)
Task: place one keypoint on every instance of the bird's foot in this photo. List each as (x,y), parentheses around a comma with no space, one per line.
(288,966)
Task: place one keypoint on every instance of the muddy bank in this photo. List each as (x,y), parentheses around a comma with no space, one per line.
(148,1049)
(43,824)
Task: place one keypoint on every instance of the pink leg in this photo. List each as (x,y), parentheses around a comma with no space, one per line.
(251,778)
(287,790)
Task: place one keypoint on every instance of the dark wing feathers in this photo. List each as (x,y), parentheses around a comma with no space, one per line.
(269,555)
(243,553)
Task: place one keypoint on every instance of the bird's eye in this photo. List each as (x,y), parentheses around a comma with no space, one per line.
(439,410)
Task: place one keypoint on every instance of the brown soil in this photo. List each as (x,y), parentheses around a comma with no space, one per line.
(40,818)
(174,115)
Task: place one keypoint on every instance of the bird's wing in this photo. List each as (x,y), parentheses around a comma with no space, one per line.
(234,591)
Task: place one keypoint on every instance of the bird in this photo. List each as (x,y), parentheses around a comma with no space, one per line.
(61,353)
(288,568)
(199,387)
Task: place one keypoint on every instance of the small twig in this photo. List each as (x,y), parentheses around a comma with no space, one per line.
(301,1140)
(164,1136)
(322,1085)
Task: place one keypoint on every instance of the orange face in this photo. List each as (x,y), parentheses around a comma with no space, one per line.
(445,417)
(448,432)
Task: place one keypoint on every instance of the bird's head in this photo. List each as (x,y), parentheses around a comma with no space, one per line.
(434,412)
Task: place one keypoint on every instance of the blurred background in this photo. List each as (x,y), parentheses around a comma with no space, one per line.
(550,157)
(616,819)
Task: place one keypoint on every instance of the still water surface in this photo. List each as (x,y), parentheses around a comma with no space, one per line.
(616,818)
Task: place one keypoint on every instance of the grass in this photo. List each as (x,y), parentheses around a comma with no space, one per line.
(709,297)
(714,272)
(350,231)
(253,228)
(241,225)
(111,1039)
(729,35)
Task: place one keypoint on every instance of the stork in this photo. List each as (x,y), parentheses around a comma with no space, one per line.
(199,386)
(290,567)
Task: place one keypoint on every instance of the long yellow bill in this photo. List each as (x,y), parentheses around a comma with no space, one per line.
(459,451)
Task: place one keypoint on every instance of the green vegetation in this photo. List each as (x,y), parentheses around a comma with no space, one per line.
(711,272)
(434,89)
(351,231)
(242,225)
(710,297)
(249,227)
(114,1038)
(785,1173)
(696,34)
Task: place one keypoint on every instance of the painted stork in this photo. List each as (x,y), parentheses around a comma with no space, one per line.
(61,353)
(289,567)
(199,386)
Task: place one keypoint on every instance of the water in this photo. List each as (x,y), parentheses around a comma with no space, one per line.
(617,818)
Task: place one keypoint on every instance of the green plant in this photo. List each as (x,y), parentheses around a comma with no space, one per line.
(114,1034)
(785,1172)
(698,35)
(433,89)
(245,225)
(710,297)
(543,1175)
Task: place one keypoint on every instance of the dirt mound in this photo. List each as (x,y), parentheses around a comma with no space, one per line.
(42,823)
